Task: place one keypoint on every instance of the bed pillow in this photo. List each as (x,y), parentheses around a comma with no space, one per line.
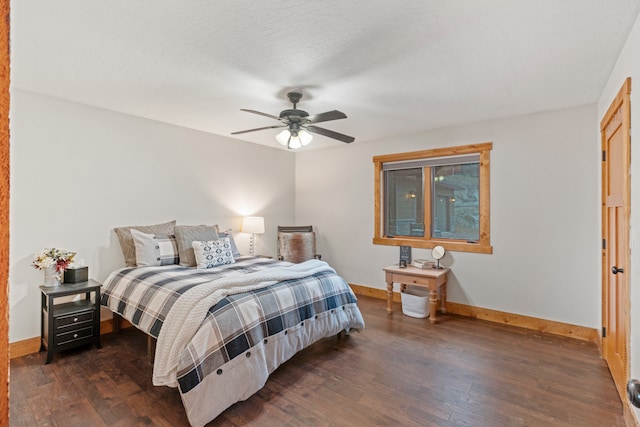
(126,241)
(154,249)
(227,233)
(186,234)
(297,247)
(212,253)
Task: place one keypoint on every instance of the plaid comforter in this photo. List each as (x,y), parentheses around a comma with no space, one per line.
(245,336)
(144,295)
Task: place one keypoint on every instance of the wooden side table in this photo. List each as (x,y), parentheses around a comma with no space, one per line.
(429,278)
(70,324)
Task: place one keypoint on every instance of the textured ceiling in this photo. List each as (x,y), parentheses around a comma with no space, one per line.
(394,67)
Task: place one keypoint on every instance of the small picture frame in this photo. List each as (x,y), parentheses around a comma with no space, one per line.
(405,256)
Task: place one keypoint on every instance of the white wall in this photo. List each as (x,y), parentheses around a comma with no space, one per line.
(77,172)
(544,214)
(628,65)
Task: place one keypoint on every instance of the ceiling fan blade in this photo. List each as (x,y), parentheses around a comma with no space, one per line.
(325,117)
(262,128)
(331,134)
(261,114)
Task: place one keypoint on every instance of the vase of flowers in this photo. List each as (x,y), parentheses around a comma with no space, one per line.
(54,262)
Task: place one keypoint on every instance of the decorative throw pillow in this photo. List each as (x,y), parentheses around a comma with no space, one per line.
(212,253)
(154,249)
(186,234)
(126,241)
(297,247)
(227,233)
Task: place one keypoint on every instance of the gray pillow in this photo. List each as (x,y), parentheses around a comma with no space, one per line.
(154,249)
(227,233)
(186,235)
(126,241)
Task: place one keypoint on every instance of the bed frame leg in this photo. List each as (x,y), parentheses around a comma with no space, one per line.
(151,349)
(342,334)
(116,323)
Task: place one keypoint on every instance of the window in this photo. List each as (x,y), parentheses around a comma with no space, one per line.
(434,197)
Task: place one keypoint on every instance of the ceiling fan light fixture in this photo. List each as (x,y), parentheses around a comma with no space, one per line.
(294,138)
(283,137)
(295,142)
(305,137)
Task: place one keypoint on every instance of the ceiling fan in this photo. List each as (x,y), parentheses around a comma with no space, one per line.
(299,123)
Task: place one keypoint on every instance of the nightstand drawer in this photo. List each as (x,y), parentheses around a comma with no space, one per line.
(73,319)
(409,279)
(75,335)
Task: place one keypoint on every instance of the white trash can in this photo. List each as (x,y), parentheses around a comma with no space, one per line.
(415,302)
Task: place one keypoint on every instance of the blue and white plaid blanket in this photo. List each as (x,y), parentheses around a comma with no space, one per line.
(244,336)
(144,295)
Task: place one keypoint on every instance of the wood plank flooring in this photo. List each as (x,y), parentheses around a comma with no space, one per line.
(399,371)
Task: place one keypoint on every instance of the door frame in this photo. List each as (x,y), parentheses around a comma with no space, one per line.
(4,209)
(620,102)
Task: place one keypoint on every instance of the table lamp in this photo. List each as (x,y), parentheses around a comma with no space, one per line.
(252,225)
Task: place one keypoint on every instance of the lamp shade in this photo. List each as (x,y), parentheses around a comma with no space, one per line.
(253,224)
(294,142)
(305,137)
(283,137)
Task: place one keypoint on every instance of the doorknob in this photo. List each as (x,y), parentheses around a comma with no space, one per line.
(633,391)
(616,270)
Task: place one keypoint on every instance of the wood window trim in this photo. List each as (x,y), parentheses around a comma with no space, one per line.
(484,242)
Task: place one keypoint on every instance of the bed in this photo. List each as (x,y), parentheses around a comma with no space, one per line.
(222,331)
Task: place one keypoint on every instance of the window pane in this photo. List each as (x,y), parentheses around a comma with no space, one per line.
(403,203)
(455,204)
(434,197)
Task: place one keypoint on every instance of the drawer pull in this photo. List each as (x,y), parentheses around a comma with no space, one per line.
(75,335)
(75,319)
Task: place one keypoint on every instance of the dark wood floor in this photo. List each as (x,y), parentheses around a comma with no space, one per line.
(398,371)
